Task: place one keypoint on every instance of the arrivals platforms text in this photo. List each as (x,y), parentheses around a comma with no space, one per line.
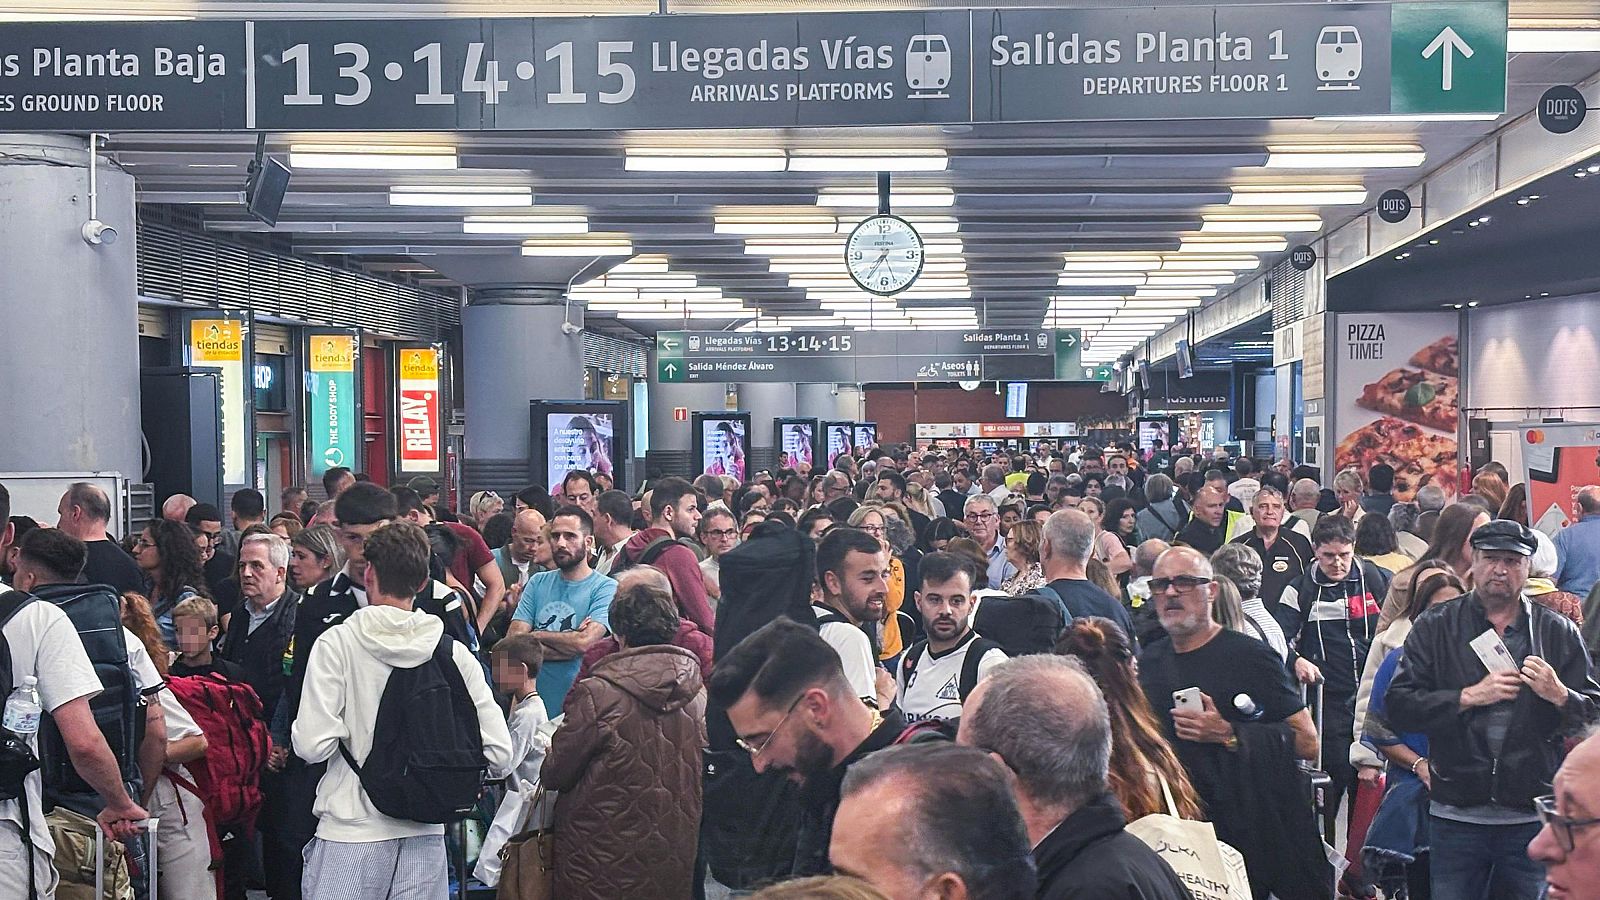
(727,71)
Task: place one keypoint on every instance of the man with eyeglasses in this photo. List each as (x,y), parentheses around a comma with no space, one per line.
(795,712)
(719,533)
(982,517)
(1568,844)
(1495,732)
(1235,744)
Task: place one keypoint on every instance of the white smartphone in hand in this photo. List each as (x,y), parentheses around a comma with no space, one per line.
(1188,700)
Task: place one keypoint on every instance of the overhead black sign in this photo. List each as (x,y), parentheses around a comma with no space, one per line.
(742,71)
(171,76)
(1302,257)
(1203,391)
(1394,206)
(845,356)
(1562,109)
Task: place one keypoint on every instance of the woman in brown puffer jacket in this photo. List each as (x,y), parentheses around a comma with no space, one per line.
(626,762)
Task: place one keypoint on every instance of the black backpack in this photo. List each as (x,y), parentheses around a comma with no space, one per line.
(969,663)
(426,763)
(1022,625)
(651,552)
(119,709)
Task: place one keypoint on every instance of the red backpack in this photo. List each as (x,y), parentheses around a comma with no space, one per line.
(237,745)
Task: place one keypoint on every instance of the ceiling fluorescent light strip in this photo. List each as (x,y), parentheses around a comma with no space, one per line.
(460,195)
(1345,156)
(1260,225)
(1297,195)
(704,159)
(525,225)
(371,156)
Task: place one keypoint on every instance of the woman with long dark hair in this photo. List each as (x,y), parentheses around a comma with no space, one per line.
(167,554)
(1450,545)
(1141,757)
(1122,520)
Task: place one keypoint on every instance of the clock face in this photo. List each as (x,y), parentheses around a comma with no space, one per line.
(884,254)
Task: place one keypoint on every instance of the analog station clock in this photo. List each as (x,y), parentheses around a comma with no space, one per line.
(884,254)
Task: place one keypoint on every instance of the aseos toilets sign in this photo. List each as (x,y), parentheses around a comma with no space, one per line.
(417,410)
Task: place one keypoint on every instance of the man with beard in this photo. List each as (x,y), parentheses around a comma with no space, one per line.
(1226,750)
(936,675)
(568,609)
(853,572)
(795,712)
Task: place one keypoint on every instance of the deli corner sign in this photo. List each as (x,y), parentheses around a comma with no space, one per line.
(928,67)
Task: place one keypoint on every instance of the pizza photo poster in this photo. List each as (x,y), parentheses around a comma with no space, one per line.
(1557,462)
(1398,377)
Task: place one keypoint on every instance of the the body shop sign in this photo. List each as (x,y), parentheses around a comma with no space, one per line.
(331,401)
(219,344)
(417,405)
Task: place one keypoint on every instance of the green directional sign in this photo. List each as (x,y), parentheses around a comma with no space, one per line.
(1094,373)
(671,371)
(1069,354)
(1447,57)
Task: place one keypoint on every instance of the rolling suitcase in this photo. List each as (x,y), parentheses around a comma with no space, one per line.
(151,875)
(1322,798)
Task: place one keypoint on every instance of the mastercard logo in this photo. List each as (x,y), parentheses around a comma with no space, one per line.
(1536,436)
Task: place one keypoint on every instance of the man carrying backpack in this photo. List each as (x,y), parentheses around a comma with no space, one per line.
(37,640)
(675,509)
(937,674)
(408,726)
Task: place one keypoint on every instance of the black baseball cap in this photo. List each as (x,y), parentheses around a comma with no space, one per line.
(423,485)
(1504,534)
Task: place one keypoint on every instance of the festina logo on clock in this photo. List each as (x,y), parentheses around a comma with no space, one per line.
(884,254)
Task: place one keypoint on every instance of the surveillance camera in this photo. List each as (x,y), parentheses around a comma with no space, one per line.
(835,390)
(569,328)
(97,232)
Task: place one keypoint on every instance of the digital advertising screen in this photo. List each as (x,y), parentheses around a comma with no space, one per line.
(1152,429)
(796,440)
(722,444)
(840,438)
(866,434)
(589,435)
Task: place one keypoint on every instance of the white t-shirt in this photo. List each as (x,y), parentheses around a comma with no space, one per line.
(855,652)
(45,645)
(934,689)
(180,724)
(530,741)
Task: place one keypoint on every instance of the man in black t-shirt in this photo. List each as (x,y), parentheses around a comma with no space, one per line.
(84,512)
(1227,667)
(1068,541)
(1285,553)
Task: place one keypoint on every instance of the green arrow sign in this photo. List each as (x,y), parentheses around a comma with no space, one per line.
(671,371)
(1069,353)
(670,342)
(1447,57)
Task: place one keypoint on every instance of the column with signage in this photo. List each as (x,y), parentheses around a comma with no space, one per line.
(333,402)
(418,410)
(221,340)
(67,315)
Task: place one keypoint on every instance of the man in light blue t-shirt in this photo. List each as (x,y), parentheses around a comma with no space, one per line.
(568,610)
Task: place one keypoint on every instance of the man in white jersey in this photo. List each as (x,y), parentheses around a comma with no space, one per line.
(853,572)
(936,675)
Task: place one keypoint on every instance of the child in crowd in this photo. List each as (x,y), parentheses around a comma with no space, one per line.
(515,662)
(195,621)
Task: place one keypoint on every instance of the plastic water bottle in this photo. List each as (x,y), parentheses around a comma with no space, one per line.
(23,709)
(1247,707)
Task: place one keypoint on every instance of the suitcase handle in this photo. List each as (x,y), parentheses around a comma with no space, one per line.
(149,825)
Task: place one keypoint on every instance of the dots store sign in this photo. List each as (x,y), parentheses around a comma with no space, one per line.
(417,405)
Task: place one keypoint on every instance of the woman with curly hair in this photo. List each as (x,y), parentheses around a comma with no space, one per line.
(167,554)
(1141,758)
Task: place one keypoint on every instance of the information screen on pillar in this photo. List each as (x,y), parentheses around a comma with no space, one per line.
(797,442)
(866,434)
(591,435)
(721,444)
(840,438)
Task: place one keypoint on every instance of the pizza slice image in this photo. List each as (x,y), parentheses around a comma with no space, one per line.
(1426,398)
(1442,356)
(1418,456)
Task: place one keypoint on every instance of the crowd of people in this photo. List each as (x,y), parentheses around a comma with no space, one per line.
(921,673)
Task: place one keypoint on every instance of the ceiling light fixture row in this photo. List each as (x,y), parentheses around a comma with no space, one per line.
(764,159)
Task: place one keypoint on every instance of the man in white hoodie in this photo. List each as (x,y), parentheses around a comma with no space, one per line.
(358,851)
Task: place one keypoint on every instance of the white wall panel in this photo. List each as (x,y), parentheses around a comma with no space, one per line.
(1538,356)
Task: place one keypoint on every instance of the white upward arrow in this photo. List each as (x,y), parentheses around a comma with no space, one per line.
(1449,42)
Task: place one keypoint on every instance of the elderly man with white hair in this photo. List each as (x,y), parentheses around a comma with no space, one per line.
(1303,497)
